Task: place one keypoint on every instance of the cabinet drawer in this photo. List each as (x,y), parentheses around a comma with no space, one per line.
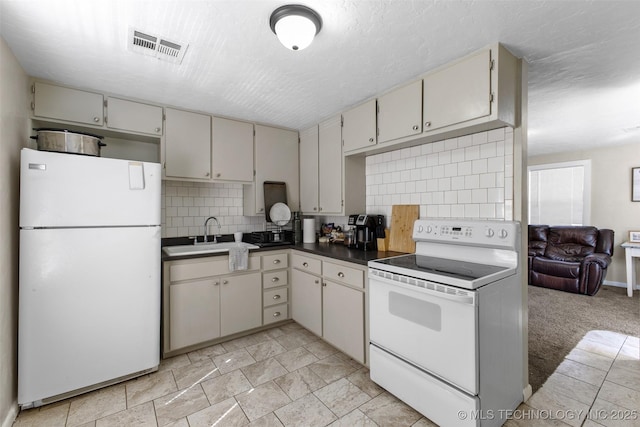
(304,263)
(275,278)
(275,296)
(276,313)
(340,273)
(273,262)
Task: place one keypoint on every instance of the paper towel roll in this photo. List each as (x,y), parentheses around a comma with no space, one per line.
(309,230)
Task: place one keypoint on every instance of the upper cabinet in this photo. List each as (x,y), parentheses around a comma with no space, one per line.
(187,145)
(400,113)
(276,159)
(232,150)
(134,116)
(309,170)
(72,105)
(359,127)
(330,182)
(458,93)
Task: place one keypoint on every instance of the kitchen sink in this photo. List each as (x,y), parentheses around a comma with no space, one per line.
(204,248)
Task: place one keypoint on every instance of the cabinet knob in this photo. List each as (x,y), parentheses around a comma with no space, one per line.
(224,282)
(415,127)
(315,208)
(324,284)
(261,209)
(207,174)
(276,314)
(157,130)
(276,297)
(275,279)
(216,283)
(276,261)
(427,124)
(317,281)
(96,119)
(370,139)
(320,209)
(341,274)
(218,175)
(305,264)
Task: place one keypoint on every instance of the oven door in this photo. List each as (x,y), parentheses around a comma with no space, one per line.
(434,329)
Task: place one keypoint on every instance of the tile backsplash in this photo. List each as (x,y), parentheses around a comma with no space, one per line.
(467,177)
(186,205)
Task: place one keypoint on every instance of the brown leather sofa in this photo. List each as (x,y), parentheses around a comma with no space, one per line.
(569,258)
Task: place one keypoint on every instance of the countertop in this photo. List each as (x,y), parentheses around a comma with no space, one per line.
(330,250)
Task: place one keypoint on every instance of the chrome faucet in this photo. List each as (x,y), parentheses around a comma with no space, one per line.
(206,221)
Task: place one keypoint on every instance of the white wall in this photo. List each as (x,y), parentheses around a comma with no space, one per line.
(14,133)
(611,205)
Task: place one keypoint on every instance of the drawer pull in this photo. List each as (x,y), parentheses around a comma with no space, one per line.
(305,264)
(341,274)
(275,279)
(276,261)
(276,314)
(276,297)
(317,281)
(324,284)
(224,282)
(216,283)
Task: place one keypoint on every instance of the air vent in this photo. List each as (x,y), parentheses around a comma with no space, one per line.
(156,46)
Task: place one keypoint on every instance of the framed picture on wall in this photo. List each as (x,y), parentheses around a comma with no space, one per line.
(635,184)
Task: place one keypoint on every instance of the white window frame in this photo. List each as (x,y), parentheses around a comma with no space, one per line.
(586,188)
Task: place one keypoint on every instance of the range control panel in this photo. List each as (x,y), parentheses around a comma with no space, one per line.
(477,233)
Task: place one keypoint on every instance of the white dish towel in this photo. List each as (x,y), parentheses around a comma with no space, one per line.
(238,258)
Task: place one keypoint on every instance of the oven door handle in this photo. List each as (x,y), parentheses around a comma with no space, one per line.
(467,298)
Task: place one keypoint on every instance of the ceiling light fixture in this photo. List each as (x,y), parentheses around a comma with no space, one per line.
(295,25)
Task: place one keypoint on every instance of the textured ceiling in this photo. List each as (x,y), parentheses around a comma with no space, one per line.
(584,56)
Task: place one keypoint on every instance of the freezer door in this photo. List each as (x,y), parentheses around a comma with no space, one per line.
(89,308)
(70,190)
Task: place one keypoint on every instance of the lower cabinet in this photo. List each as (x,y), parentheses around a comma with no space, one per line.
(240,303)
(203,301)
(306,300)
(328,298)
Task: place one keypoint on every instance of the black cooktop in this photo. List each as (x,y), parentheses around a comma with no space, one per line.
(445,267)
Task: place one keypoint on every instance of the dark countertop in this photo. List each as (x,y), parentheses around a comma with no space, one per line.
(330,250)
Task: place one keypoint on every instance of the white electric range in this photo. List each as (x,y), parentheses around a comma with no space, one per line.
(446,322)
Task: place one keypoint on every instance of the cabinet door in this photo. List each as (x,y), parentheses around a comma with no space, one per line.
(306,300)
(240,303)
(134,116)
(309,170)
(343,319)
(330,171)
(458,93)
(359,127)
(187,145)
(276,159)
(400,113)
(194,314)
(72,105)
(232,150)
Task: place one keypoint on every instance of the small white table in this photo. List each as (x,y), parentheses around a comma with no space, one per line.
(631,250)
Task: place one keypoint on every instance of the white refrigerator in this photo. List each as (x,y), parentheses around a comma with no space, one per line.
(89,299)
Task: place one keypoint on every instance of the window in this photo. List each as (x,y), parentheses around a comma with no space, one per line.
(560,193)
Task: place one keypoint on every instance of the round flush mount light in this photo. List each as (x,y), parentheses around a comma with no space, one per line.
(295,25)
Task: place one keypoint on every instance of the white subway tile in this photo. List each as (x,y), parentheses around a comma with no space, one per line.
(415,151)
(438,146)
(171,211)
(410,187)
(488,210)
(444,184)
(487,180)
(421,186)
(457,155)
(426,173)
(432,185)
(472,181)
(451,169)
(499,148)
(438,197)
(405,153)
(464,168)
(396,199)
(410,163)
(438,171)
(479,166)
(421,161)
(495,195)
(405,175)
(465,141)
(426,149)
(451,197)
(480,138)
(432,159)
(415,174)
(451,144)
(471,211)
(444,157)
(193,211)
(472,152)
(426,198)
(396,155)
(495,164)
(457,182)
(387,177)
(488,150)
(499,210)
(479,195)
(415,199)
(405,199)
(457,211)
(444,211)
(396,177)
(496,135)
(400,188)
(432,211)
(182,211)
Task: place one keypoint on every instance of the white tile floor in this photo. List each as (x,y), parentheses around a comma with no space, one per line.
(287,376)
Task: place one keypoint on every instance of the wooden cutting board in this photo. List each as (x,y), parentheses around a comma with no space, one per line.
(402,219)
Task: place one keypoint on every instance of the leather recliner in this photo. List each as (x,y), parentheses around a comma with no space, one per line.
(569,258)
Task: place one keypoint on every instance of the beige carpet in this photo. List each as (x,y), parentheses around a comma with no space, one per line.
(558,321)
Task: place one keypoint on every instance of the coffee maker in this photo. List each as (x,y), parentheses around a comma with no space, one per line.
(366,230)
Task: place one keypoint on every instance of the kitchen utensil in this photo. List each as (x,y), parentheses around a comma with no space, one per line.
(402,219)
(65,141)
(280,214)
